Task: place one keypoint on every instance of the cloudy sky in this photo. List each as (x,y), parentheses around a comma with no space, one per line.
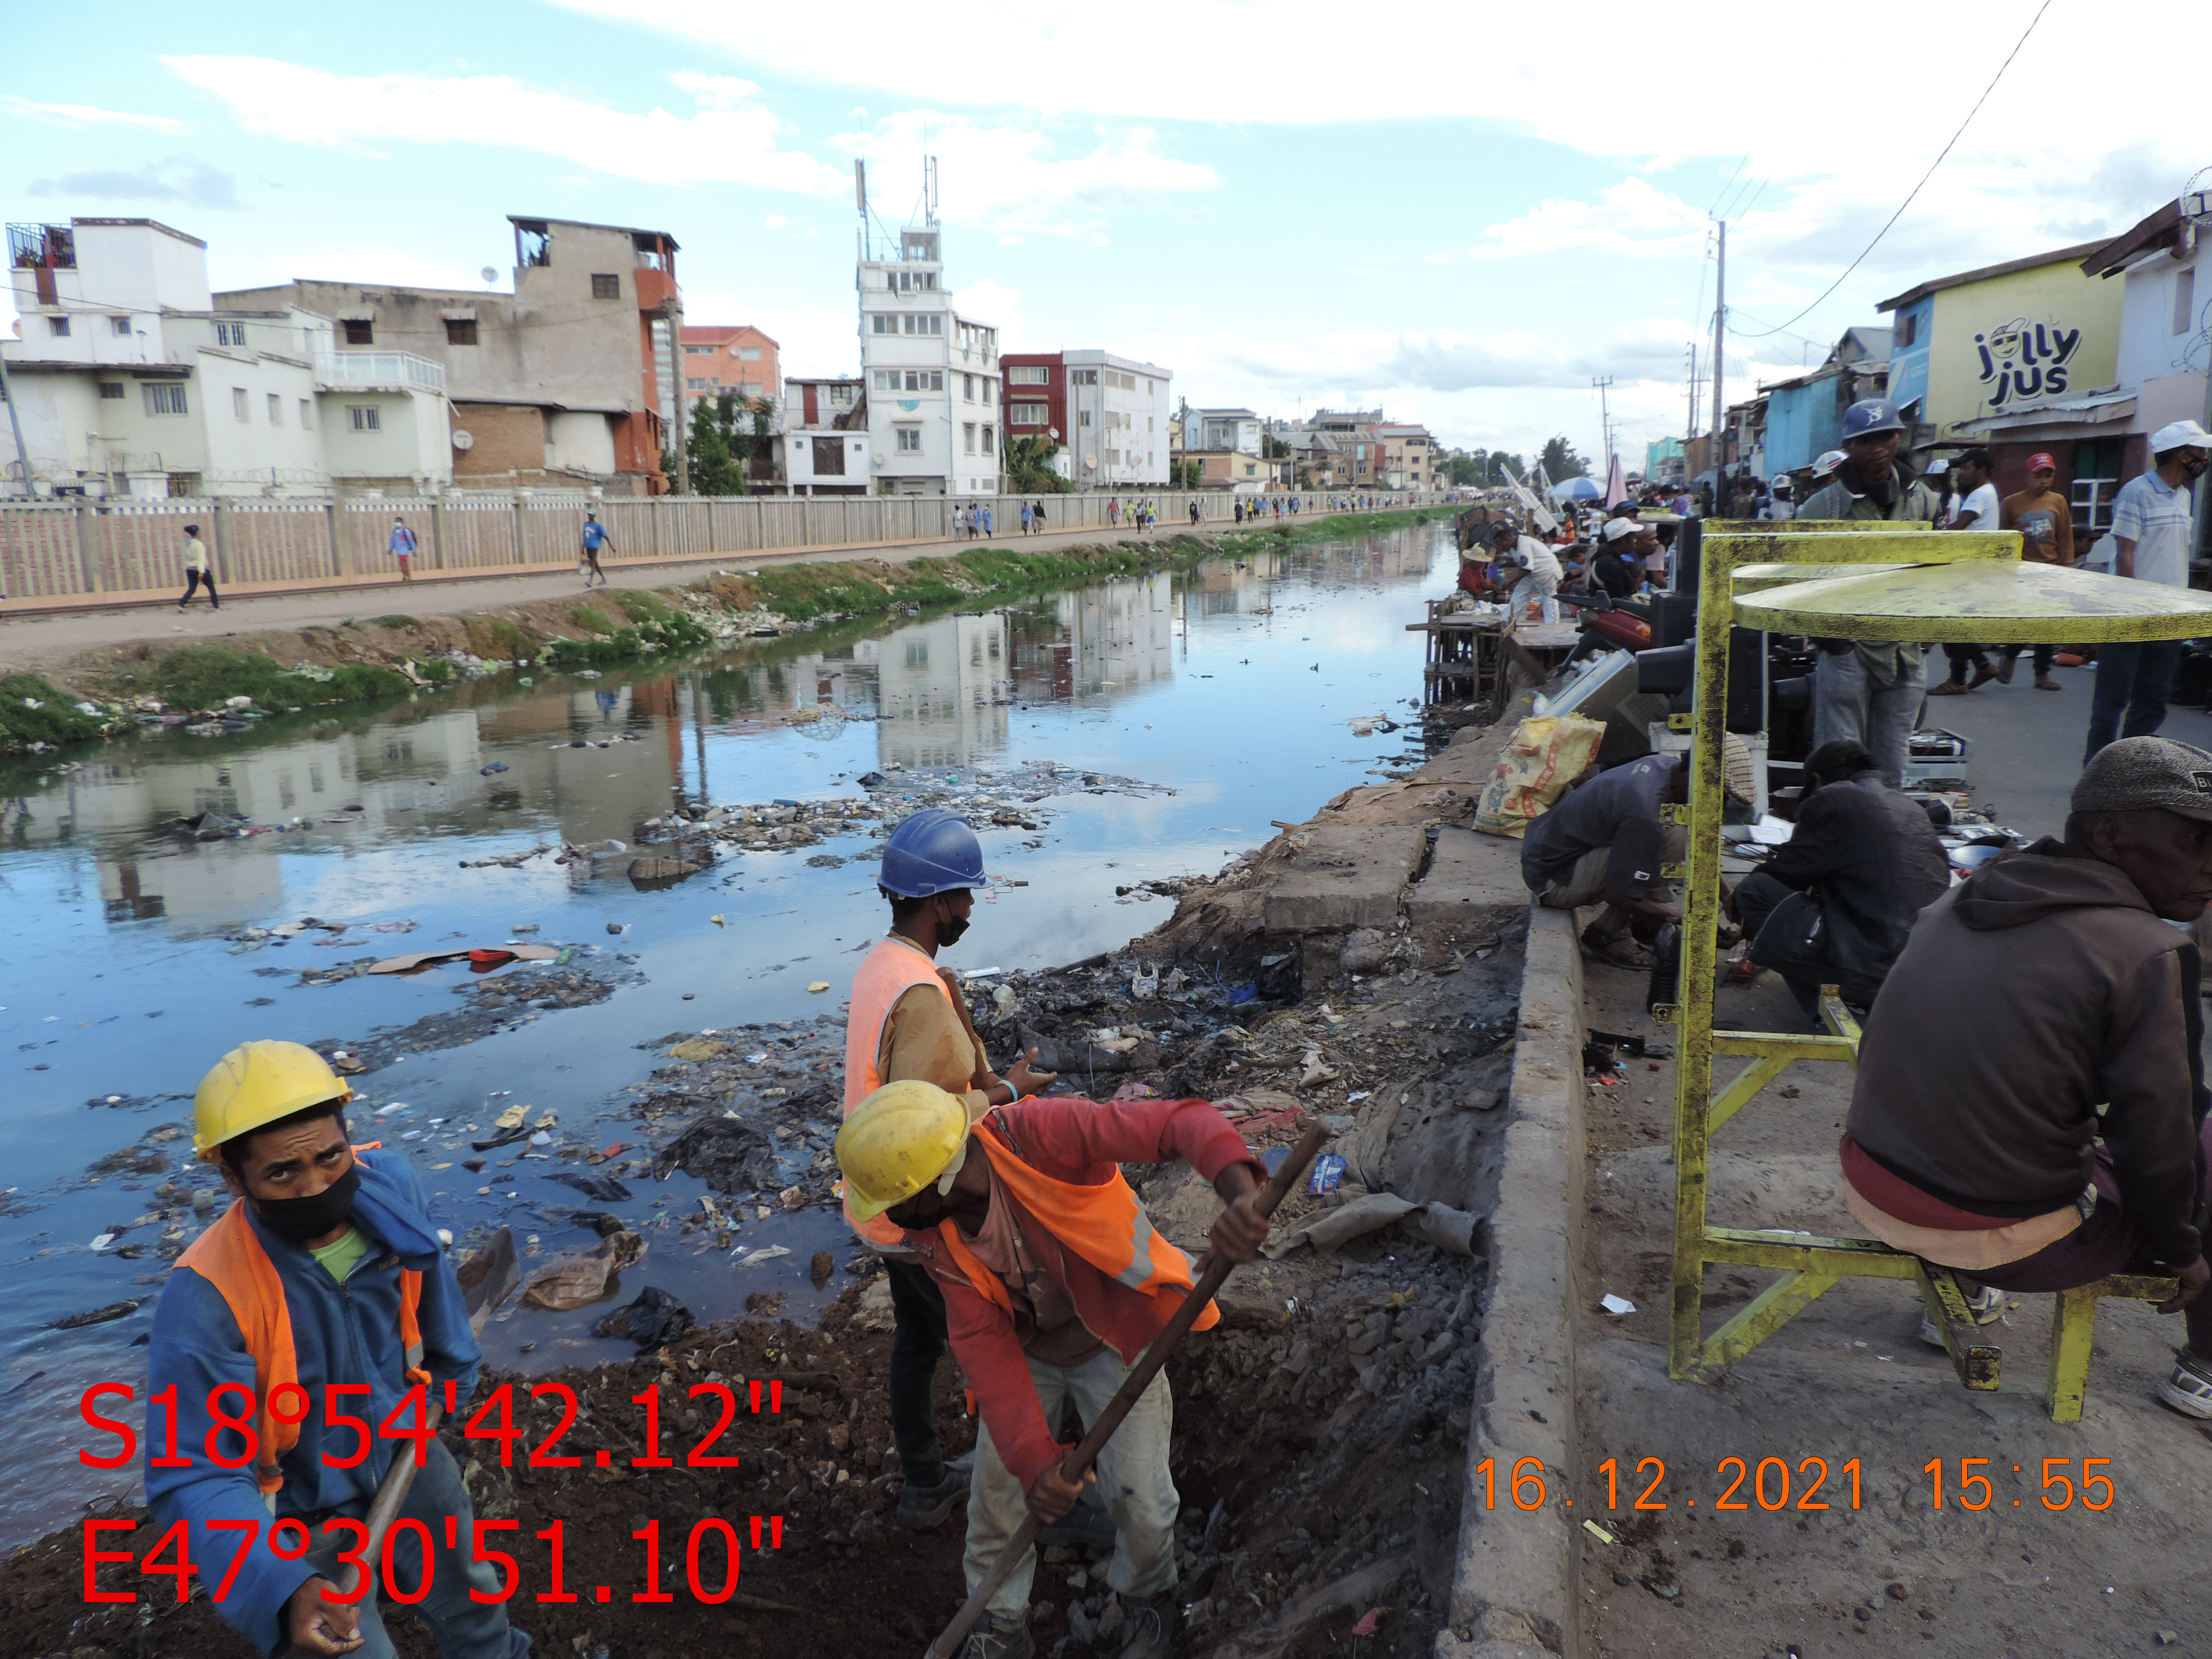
(1459,213)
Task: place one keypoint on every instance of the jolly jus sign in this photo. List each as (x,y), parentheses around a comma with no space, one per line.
(2022,361)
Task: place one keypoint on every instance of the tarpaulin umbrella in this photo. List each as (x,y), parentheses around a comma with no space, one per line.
(1576,489)
(1616,487)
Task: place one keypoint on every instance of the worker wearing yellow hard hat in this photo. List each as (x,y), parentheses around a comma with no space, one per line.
(324,1271)
(1053,1284)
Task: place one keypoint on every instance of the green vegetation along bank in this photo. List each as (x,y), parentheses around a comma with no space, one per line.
(379,660)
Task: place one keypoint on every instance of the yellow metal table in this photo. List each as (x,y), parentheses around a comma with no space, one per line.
(1872,580)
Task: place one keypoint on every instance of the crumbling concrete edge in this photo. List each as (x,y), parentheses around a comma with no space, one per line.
(1514,1591)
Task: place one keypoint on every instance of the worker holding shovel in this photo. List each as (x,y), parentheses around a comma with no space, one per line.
(323,1272)
(1055,1286)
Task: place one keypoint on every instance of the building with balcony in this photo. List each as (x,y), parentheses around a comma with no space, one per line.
(1110,415)
(822,447)
(130,381)
(573,379)
(932,376)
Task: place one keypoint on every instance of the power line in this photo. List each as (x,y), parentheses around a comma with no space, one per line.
(1739,166)
(1932,165)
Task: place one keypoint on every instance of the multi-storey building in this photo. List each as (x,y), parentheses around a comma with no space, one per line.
(719,359)
(1109,414)
(571,379)
(822,447)
(933,408)
(1408,455)
(130,379)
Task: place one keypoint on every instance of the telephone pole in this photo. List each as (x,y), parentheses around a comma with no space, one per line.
(1602,382)
(1720,322)
(681,438)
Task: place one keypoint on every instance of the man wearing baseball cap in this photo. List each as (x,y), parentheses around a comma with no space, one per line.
(2038,1008)
(2150,540)
(1871,690)
(2044,520)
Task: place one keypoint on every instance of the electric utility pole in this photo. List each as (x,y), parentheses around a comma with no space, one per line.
(22,456)
(1720,322)
(1605,419)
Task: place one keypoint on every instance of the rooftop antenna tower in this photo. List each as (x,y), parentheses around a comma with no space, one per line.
(929,191)
(860,202)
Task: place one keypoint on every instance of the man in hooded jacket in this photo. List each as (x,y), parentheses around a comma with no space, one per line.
(2044,1006)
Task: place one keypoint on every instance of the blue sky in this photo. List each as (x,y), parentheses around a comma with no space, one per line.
(1461,215)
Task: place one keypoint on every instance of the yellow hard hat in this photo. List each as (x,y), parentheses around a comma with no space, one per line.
(257,1083)
(898,1140)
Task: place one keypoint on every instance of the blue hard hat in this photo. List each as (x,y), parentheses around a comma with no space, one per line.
(1869,415)
(932,852)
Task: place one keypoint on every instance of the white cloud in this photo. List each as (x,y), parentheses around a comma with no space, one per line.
(1007,177)
(1632,218)
(1000,306)
(774,221)
(79,116)
(185,179)
(724,140)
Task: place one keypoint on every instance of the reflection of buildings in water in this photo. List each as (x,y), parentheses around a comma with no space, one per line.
(1104,640)
(406,777)
(198,889)
(942,687)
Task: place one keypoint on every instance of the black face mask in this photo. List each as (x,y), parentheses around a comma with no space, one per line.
(299,1219)
(948,931)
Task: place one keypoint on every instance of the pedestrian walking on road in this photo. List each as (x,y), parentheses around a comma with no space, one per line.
(2045,519)
(986,520)
(1979,508)
(1026,518)
(198,572)
(1039,511)
(1871,690)
(1193,513)
(2150,541)
(595,537)
(403,547)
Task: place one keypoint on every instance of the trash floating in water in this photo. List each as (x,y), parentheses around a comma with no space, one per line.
(818,986)
(496,766)
(746,1258)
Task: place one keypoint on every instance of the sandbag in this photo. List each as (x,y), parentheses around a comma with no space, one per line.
(1547,753)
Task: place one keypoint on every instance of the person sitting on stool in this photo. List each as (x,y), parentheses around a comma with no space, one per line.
(1834,904)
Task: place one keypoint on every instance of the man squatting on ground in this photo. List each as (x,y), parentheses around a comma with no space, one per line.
(909,1021)
(1834,904)
(2045,1003)
(1054,1284)
(1604,842)
(323,1270)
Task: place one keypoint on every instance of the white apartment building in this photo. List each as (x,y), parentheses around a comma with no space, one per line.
(1117,420)
(934,411)
(128,381)
(823,448)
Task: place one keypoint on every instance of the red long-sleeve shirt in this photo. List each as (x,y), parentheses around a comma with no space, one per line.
(1080,1142)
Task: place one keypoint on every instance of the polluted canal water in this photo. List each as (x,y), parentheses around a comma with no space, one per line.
(1100,738)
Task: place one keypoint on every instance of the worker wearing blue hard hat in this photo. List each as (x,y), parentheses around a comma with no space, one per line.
(908,1021)
(1870,691)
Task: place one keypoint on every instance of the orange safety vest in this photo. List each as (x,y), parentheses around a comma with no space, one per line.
(1104,1224)
(888,972)
(230,1256)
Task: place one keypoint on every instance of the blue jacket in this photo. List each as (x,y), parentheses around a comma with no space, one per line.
(345,1333)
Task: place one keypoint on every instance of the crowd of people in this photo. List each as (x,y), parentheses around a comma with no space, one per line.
(2028,1109)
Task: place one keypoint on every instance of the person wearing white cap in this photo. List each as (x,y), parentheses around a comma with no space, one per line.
(2150,540)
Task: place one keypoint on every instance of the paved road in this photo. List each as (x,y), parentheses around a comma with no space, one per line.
(28,639)
(2027,744)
